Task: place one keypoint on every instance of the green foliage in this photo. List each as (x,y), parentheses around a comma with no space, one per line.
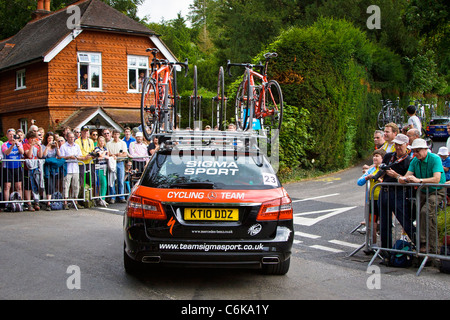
(424,75)
(295,138)
(443,222)
(323,73)
(15,14)
(333,70)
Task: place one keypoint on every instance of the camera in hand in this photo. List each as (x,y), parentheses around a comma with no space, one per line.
(382,170)
(384,166)
(94,154)
(16,137)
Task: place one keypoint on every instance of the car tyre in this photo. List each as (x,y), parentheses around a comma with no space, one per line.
(277,269)
(131,266)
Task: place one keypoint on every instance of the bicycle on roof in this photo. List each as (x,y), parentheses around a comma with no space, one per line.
(390,112)
(219,103)
(159,97)
(258,98)
(195,105)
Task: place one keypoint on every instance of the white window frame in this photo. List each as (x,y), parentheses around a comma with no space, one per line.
(21,79)
(89,61)
(136,64)
(23,124)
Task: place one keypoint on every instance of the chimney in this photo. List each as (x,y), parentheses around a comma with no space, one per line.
(47,5)
(42,9)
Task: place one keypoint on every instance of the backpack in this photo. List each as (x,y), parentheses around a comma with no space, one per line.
(15,206)
(56,205)
(401,260)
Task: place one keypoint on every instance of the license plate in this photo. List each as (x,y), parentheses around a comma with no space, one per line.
(439,129)
(207,214)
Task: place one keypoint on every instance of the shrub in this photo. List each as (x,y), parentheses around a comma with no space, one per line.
(324,72)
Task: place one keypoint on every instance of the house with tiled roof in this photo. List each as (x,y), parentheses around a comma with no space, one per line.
(76,66)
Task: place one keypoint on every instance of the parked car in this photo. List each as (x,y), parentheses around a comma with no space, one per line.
(437,128)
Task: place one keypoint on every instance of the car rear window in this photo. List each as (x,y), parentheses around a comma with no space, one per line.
(202,171)
(439,121)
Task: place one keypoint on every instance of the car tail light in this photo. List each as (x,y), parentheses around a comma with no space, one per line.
(279,209)
(139,207)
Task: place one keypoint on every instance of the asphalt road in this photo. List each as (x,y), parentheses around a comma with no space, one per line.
(78,255)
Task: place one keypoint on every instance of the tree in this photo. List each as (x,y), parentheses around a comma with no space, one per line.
(247,26)
(15,14)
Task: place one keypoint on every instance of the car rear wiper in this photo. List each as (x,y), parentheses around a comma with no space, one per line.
(194,185)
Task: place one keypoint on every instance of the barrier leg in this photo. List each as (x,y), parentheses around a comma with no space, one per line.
(356,250)
(422,265)
(359,226)
(374,257)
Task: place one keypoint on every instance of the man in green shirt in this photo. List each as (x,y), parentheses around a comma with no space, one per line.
(426,167)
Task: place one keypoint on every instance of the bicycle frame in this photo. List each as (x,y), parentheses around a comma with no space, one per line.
(163,82)
(262,97)
(163,76)
(260,110)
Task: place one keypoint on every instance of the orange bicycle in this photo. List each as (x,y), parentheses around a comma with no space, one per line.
(159,97)
(259,102)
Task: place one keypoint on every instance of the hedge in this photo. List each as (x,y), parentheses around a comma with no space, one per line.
(326,74)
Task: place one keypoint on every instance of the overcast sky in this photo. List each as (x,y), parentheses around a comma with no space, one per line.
(167,9)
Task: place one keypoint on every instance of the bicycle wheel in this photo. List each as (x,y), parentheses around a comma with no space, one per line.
(243,104)
(272,110)
(174,101)
(149,113)
(220,100)
(196,114)
(249,105)
(381,120)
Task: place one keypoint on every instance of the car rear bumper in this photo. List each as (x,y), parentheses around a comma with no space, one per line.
(241,254)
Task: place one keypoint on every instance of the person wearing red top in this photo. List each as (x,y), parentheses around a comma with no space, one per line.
(32,150)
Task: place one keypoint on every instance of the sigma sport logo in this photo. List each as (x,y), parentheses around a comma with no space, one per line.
(200,195)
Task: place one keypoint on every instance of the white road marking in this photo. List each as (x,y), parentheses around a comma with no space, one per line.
(301,220)
(306,235)
(326,249)
(345,244)
(319,197)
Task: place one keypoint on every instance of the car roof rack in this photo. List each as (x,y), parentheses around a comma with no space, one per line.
(235,141)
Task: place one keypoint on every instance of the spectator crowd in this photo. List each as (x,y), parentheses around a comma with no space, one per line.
(405,160)
(41,167)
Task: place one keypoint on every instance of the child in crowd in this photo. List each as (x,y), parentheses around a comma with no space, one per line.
(443,153)
(377,158)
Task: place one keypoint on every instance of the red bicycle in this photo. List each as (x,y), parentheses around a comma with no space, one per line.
(258,99)
(159,97)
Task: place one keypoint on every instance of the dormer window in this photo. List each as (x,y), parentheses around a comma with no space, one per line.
(89,71)
(20,79)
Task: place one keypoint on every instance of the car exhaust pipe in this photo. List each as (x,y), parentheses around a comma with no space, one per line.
(270,260)
(151,259)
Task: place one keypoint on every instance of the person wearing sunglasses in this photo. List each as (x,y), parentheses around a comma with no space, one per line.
(94,137)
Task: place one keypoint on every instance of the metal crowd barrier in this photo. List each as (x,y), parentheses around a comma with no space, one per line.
(36,181)
(415,214)
(108,178)
(46,179)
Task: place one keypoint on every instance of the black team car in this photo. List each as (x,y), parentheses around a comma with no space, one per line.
(210,199)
